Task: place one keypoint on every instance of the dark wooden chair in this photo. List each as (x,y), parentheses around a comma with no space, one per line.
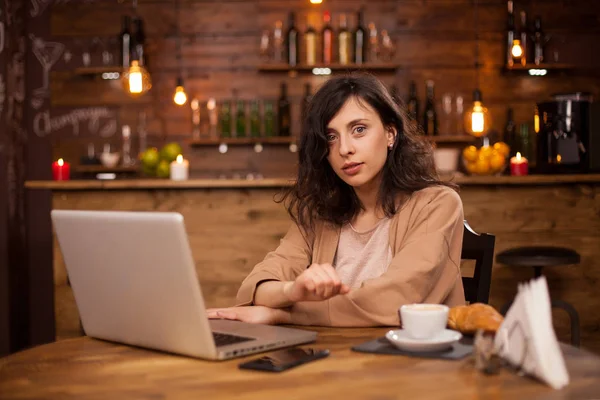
(478,247)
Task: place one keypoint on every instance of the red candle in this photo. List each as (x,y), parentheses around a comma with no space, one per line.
(519,165)
(61,170)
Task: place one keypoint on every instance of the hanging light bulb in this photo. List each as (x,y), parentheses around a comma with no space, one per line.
(516,50)
(136,80)
(180,98)
(477,119)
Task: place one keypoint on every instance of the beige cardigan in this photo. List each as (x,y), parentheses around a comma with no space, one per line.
(426,240)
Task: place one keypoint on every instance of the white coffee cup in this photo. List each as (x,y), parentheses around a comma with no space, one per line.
(423,321)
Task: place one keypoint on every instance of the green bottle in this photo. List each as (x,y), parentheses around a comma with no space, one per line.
(240,119)
(269,119)
(254,119)
(225,119)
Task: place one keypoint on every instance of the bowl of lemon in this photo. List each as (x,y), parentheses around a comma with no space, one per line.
(486,160)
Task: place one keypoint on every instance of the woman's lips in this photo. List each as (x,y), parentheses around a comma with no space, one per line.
(352,169)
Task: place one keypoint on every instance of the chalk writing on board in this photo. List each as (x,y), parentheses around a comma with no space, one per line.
(2,93)
(43,124)
(37,103)
(38,7)
(47,54)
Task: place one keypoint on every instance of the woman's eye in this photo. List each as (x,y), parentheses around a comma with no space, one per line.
(360,129)
(330,138)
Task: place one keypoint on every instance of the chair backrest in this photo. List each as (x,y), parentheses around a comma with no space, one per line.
(478,247)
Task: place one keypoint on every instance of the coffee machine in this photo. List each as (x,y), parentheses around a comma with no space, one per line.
(569,137)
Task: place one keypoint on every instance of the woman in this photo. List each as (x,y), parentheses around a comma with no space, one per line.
(373,228)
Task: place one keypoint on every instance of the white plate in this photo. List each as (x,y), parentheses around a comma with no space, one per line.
(441,341)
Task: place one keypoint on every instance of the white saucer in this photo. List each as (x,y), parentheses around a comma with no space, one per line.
(441,341)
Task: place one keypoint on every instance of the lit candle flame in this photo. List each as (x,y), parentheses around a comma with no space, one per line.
(518,156)
(179,159)
(60,162)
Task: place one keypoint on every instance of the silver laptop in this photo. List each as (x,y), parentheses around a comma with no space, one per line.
(134,281)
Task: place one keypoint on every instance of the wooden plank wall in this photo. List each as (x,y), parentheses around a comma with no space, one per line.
(435,39)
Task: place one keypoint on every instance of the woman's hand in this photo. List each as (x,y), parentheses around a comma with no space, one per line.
(316,283)
(251,314)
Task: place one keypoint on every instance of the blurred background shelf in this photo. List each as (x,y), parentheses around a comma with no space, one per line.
(243,141)
(371,67)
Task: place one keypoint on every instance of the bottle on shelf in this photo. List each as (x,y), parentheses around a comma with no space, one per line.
(265,45)
(510,133)
(360,40)
(240,118)
(125,43)
(291,40)
(344,42)
(510,34)
(278,45)
(138,41)
(327,39)
(386,51)
(413,102)
(310,43)
(539,40)
(283,113)
(225,119)
(430,123)
(524,36)
(373,43)
(254,118)
(269,119)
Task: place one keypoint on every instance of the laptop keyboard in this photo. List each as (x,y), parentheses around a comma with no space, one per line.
(225,339)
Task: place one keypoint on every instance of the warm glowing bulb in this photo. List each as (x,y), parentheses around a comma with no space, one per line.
(558,158)
(517,50)
(180,97)
(316,1)
(179,159)
(135,82)
(477,120)
(60,162)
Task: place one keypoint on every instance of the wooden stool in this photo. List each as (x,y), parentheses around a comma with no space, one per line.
(539,257)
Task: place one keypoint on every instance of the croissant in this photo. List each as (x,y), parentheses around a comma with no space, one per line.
(469,319)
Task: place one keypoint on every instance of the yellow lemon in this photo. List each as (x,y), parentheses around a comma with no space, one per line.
(471,167)
(470,153)
(482,166)
(497,161)
(502,148)
(485,152)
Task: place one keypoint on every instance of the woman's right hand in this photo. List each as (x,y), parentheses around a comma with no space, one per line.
(318,282)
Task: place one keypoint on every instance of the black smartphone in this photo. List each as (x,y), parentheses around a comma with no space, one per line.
(281,360)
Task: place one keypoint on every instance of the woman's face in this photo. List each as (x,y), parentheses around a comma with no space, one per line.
(358,143)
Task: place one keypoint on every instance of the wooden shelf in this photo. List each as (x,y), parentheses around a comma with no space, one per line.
(98,169)
(88,71)
(547,67)
(279,140)
(379,67)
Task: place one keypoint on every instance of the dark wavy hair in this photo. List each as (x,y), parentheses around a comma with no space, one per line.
(318,193)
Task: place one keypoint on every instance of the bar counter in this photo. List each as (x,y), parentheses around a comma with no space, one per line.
(281,182)
(232,224)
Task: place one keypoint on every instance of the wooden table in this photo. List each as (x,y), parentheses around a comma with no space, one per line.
(87,368)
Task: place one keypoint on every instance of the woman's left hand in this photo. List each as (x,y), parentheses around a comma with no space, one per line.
(251,314)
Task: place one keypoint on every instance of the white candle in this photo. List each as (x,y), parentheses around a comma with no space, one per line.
(180,169)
